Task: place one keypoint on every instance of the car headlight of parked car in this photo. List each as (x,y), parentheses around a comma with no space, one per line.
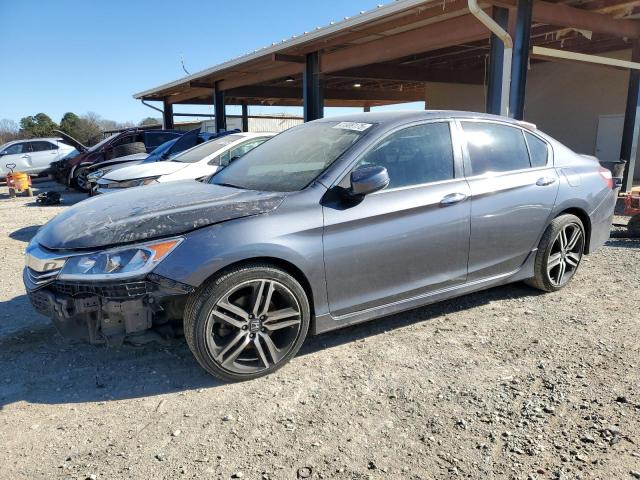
(138,182)
(94,176)
(118,263)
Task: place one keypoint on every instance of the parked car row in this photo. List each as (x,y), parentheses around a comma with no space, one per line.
(330,223)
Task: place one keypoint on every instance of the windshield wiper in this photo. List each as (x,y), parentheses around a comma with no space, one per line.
(230,185)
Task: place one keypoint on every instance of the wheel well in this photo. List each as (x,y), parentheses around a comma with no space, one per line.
(288,267)
(586,221)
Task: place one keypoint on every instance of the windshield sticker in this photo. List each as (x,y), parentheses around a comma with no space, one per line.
(358,127)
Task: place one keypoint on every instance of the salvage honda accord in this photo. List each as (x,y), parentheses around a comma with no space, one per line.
(330,223)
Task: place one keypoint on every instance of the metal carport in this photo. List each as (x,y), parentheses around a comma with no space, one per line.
(388,55)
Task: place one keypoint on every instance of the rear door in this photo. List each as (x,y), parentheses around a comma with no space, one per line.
(513,190)
(409,239)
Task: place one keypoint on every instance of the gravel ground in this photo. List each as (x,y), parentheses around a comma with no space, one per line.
(506,383)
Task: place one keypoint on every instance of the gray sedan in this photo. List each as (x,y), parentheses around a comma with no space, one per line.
(328,224)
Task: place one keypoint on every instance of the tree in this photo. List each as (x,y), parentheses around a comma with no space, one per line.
(69,124)
(150,121)
(8,131)
(39,125)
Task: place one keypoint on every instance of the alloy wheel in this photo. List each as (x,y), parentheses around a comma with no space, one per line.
(253,326)
(565,254)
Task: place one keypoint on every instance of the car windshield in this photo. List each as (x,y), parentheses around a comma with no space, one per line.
(292,160)
(197,153)
(100,144)
(156,154)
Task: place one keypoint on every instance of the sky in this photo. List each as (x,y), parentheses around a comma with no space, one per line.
(81,56)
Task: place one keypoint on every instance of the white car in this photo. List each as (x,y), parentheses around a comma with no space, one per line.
(32,156)
(200,161)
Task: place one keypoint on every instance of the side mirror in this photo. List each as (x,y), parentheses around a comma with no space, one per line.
(366,180)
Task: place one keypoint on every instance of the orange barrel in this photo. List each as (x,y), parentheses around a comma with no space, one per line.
(18,180)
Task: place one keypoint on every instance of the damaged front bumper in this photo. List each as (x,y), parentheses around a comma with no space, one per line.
(108,312)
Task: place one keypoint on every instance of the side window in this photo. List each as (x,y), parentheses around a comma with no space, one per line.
(154,139)
(222,160)
(15,149)
(538,150)
(42,146)
(414,155)
(495,148)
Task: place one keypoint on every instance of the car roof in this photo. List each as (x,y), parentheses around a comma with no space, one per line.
(401,117)
(51,139)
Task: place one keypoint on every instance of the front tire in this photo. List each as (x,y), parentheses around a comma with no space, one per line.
(247,322)
(79,181)
(559,253)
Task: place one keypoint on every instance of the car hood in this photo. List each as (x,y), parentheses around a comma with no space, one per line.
(145,170)
(133,159)
(72,141)
(154,211)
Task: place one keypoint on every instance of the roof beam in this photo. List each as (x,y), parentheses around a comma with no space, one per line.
(274,73)
(193,92)
(554,54)
(430,37)
(380,71)
(283,57)
(571,17)
(329,93)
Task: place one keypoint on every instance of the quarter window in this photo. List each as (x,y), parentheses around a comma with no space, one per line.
(495,148)
(414,155)
(538,151)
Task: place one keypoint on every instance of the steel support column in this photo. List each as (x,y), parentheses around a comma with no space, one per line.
(496,59)
(167,116)
(245,116)
(520,63)
(366,108)
(312,87)
(631,129)
(220,111)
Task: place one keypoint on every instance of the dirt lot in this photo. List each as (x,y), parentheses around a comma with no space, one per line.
(505,383)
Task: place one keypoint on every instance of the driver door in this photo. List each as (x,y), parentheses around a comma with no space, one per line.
(409,239)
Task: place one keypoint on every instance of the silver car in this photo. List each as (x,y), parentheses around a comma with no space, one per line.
(331,223)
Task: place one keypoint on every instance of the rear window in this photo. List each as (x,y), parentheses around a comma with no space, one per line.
(495,148)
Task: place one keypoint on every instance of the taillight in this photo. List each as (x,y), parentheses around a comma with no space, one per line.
(605,173)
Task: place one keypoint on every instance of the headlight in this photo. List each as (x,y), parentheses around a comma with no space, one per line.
(118,263)
(94,176)
(138,182)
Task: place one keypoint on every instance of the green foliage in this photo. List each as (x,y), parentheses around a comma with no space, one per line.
(39,125)
(150,121)
(69,123)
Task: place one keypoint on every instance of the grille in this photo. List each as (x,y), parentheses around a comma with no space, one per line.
(111,290)
(42,278)
(40,301)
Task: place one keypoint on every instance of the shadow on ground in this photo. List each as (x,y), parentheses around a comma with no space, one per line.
(39,366)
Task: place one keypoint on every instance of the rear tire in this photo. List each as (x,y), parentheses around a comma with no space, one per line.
(247,322)
(559,253)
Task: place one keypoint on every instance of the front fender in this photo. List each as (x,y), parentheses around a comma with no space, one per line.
(289,235)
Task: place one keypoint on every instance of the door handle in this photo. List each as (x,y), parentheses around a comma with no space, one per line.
(452,198)
(26,156)
(544,181)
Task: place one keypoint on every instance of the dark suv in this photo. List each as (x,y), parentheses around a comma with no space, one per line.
(72,172)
